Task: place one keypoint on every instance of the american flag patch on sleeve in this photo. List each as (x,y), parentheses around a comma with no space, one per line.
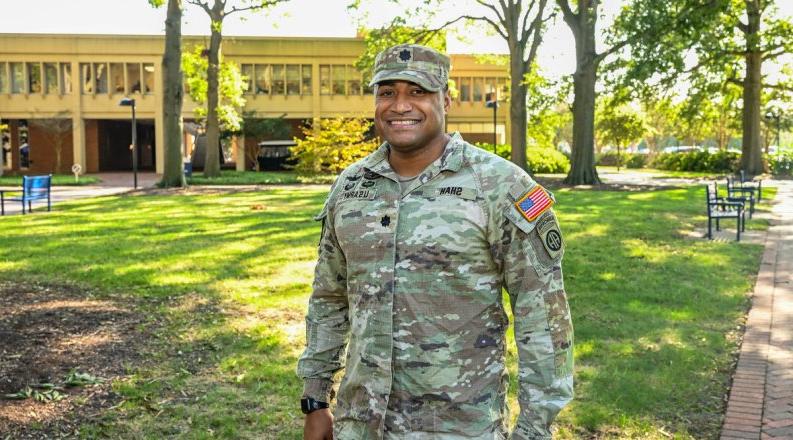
(534,203)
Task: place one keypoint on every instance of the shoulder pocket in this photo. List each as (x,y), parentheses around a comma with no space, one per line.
(543,236)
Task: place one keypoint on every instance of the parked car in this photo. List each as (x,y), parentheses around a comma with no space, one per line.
(682,149)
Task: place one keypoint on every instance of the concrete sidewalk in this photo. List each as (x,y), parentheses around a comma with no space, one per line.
(761,398)
(111,183)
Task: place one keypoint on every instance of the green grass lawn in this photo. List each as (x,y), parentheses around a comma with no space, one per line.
(228,177)
(57,180)
(227,278)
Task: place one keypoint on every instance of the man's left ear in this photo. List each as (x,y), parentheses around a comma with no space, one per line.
(447,101)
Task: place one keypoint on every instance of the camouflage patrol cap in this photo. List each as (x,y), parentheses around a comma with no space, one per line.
(410,62)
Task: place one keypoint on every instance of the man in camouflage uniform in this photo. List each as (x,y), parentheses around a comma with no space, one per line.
(418,240)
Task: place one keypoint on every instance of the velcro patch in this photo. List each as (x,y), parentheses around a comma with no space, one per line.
(551,238)
(534,203)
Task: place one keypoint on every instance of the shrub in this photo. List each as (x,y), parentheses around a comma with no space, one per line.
(636,161)
(340,143)
(781,163)
(719,162)
(547,160)
(540,160)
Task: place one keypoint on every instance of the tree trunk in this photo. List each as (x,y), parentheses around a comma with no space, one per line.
(173,174)
(172,97)
(212,162)
(751,154)
(582,170)
(517,112)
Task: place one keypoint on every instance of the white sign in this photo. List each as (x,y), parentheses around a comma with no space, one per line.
(76,168)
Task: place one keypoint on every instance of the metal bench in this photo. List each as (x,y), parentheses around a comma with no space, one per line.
(739,193)
(724,207)
(756,185)
(33,188)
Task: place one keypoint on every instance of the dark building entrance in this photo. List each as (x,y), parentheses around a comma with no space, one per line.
(115,138)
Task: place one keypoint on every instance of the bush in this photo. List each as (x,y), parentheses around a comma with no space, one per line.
(340,143)
(720,162)
(547,160)
(540,160)
(636,161)
(781,163)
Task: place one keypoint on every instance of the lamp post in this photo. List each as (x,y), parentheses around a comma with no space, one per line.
(774,115)
(491,101)
(130,102)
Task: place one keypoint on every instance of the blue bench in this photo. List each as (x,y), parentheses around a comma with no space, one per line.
(33,188)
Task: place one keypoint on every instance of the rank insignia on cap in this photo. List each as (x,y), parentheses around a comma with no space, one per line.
(534,203)
(405,55)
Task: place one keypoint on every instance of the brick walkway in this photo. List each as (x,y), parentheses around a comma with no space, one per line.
(761,399)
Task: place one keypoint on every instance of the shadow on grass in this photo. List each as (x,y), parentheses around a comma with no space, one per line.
(230,275)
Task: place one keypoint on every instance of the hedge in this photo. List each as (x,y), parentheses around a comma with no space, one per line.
(540,160)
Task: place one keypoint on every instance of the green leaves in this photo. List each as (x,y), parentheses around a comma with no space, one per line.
(231,86)
(339,143)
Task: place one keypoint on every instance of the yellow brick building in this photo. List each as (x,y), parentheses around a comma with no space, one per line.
(61,94)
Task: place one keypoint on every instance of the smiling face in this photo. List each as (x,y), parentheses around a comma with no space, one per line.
(408,117)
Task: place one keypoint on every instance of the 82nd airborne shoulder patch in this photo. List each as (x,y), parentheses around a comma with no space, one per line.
(534,203)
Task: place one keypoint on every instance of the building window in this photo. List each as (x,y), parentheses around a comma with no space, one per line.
(324,80)
(66,78)
(133,78)
(3,78)
(339,73)
(264,80)
(305,87)
(51,78)
(278,79)
(117,77)
(86,78)
(246,70)
(17,78)
(100,75)
(293,79)
(479,86)
(465,89)
(353,81)
(148,78)
(34,77)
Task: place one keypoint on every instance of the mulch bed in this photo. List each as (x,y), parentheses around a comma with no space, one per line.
(46,331)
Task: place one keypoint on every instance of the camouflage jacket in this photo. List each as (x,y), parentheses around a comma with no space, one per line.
(410,284)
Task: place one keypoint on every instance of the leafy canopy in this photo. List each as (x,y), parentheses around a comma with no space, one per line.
(231,87)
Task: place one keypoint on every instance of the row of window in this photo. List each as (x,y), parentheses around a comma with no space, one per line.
(476,89)
(341,79)
(277,79)
(295,79)
(50,78)
(263,79)
(56,78)
(122,78)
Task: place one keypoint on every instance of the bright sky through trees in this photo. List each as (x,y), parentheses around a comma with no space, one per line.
(297,18)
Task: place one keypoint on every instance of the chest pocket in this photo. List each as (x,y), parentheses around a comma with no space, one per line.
(364,225)
(449,217)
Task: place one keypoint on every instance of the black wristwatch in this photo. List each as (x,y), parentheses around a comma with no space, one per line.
(309,405)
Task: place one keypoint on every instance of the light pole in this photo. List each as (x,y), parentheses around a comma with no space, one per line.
(130,102)
(491,101)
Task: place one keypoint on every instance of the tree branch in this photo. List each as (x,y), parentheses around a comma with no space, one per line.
(537,38)
(782,87)
(262,5)
(201,4)
(499,17)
